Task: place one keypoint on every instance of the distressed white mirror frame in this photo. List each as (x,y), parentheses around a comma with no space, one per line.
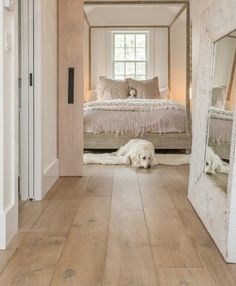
(216,209)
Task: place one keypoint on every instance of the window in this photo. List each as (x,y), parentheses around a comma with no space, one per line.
(130,56)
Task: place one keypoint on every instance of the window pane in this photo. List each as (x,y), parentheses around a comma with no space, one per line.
(119,68)
(130,40)
(140,54)
(119,54)
(119,40)
(140,41)
(130,69)
(141,77)
(130,54)
(140,68)
(122,77)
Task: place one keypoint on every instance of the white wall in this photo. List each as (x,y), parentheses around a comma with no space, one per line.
(178,59)
(50,162)
(8,127)
(224,57)
(101,54)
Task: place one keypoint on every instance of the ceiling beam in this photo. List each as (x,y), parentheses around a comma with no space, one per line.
(129,26)
(135,2)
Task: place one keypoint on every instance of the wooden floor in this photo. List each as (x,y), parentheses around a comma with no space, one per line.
(115,227)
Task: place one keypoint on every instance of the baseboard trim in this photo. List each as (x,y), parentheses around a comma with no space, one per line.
(50,176)
(8,225)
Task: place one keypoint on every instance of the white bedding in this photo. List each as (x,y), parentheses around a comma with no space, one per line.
(134,116)
(221,122)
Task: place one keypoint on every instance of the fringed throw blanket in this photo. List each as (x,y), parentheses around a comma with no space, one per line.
(134,116)
(221,121)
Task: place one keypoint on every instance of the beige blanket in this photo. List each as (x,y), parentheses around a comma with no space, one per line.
(221,122)
(134,116)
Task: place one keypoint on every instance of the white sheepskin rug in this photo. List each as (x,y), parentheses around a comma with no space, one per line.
(160,159)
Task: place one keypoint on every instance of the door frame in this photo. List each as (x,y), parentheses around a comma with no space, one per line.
(26,126)
(31,106)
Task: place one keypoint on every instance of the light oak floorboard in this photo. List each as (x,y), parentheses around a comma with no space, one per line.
(6,255)
(171,246)
(68,188)
(184,277)
(125,191)
(29,213)
(129,258)
(116,226)
(83,257)
(99,186)
(33,262)
(57,218)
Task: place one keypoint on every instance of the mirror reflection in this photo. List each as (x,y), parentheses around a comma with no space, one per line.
(221,111)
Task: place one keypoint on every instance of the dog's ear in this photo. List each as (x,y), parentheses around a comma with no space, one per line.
(135,160)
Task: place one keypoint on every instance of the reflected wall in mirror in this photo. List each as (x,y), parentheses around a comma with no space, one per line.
(221,111)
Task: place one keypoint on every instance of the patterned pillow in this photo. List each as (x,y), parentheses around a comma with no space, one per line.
(111,89)
(145,89)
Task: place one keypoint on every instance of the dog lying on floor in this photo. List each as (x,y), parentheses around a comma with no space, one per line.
(138,153)
(214,164)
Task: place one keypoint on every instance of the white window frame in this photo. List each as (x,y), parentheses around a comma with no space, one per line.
(149,50)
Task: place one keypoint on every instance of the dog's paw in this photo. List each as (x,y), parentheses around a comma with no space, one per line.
(127,161)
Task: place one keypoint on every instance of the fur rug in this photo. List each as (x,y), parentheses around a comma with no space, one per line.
(161,159)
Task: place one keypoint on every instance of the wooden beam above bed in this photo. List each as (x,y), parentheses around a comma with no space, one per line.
(130,26)
(125,2)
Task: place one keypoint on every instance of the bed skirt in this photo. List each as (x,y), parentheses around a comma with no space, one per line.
(110,141)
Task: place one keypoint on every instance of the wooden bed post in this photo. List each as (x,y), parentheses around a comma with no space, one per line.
(169,60)
(90,57)
(188,71)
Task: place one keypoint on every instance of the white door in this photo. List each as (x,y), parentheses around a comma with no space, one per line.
(27,100)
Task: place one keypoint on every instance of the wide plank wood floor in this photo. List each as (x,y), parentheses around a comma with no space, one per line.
(114,227)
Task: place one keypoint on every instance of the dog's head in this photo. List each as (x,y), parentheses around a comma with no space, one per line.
(145,159)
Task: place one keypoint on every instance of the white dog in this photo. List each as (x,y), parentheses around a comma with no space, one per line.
(139,153)
(214,164)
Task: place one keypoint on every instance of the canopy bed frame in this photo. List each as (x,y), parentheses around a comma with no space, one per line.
(160,141)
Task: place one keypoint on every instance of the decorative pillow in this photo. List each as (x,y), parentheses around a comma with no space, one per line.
(111,89)
(218,97)
(146,89)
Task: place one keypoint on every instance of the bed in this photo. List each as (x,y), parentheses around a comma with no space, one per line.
(110,124)
(120,110)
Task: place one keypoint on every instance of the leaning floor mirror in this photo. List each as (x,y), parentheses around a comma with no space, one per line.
(212,187)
